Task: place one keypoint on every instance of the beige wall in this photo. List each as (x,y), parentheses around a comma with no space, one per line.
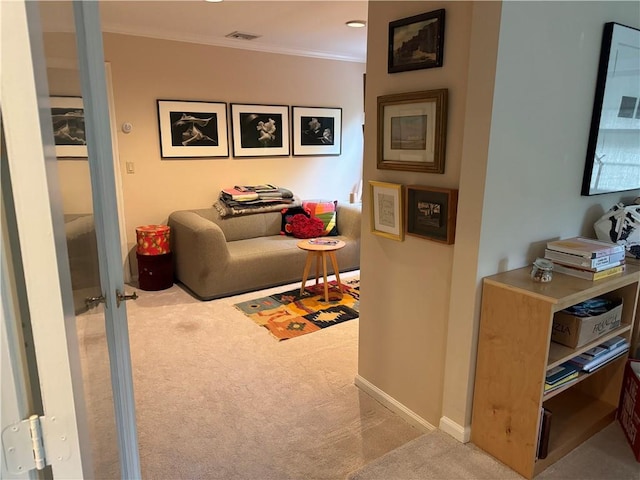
(407,285)
(516,146)
(144,70)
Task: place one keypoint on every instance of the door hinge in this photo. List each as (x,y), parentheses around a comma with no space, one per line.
(34,443)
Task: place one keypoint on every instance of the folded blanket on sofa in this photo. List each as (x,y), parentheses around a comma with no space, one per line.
(254,193)
(226,210)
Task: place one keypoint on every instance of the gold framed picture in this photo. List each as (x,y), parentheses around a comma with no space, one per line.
(412,131)
(386,210)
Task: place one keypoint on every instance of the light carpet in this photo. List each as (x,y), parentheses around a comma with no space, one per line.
(437,456)
(217,398)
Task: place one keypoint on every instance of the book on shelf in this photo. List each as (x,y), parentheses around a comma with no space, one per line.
(593,264)
(543,437)
(590,363)
(551,387)
(559,373)
(585,247)
(587,274)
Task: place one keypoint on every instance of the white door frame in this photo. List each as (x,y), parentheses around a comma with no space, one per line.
(45,265)
(24,101)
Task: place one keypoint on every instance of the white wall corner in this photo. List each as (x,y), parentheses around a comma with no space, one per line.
(460,433)
(393,405)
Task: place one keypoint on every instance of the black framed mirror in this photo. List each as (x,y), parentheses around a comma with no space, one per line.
(613,151)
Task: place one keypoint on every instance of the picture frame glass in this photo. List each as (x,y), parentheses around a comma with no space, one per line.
(260,130)
(416,42)
(431,213)
(612,161)
(317,130)
(69,133)
(386,210)
(409,132)
(412,130)
(193,129)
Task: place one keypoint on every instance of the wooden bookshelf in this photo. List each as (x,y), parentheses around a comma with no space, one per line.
(514,353)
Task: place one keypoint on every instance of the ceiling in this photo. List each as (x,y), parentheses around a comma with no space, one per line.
(314,28)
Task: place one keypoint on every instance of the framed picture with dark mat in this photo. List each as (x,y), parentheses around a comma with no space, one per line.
(67,116)
(431,213)
(260,130)
(190,129)
(316,131)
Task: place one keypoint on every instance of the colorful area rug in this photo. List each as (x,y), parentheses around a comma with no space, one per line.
(289,314)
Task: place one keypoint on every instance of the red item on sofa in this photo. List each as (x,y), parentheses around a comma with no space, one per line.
(153,239)
(306,227)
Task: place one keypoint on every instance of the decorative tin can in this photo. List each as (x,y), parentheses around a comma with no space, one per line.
(153,239)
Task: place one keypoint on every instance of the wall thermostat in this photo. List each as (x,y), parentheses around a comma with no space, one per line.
(127,127)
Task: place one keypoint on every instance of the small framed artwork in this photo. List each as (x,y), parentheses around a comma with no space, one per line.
(260,130)
(192,129)
(316,130)
(67,116)
(386,210)
(431,213)
(412,131)
(416,42)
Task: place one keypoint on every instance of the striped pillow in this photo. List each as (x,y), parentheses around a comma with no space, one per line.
(325,211)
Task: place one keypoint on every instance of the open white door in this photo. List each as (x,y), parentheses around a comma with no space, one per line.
(42,250)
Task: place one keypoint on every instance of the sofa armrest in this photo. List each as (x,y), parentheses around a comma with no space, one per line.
(199,247)
(349,220)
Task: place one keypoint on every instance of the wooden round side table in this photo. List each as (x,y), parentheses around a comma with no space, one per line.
(320,248)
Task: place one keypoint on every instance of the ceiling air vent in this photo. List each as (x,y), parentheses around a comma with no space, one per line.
(242,36)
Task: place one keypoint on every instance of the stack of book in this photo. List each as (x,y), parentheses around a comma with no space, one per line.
(596,357)
(585,257)
(561,375)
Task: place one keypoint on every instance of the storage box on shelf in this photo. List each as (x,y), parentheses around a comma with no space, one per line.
(574,327)
(515,352)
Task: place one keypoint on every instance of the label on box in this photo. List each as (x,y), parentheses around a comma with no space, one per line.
(574,331)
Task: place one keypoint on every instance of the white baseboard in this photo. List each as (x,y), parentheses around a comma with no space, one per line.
(457,431)
(393,405)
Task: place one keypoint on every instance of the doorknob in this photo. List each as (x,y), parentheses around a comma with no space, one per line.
(91,302)
(123,297)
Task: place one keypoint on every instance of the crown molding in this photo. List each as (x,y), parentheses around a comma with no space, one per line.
(232,43)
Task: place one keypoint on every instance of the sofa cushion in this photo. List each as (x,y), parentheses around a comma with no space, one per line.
(287,216)
(325,211)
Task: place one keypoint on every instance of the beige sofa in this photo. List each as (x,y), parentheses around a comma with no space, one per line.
(216,257)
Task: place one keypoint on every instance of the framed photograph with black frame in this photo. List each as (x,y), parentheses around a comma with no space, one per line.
(192,129)
(386,210)
(416,42)
(412,131)
(431,213)
(260,130)
(67,117)
(612,161)
(316,130)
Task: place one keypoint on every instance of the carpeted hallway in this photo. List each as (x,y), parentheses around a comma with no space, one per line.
(217,397)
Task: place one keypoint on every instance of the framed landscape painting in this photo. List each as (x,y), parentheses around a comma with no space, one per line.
(431,213)
(260,130)
(412,130)
(416,42)
(67,116)
(317,130)
(191,129)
